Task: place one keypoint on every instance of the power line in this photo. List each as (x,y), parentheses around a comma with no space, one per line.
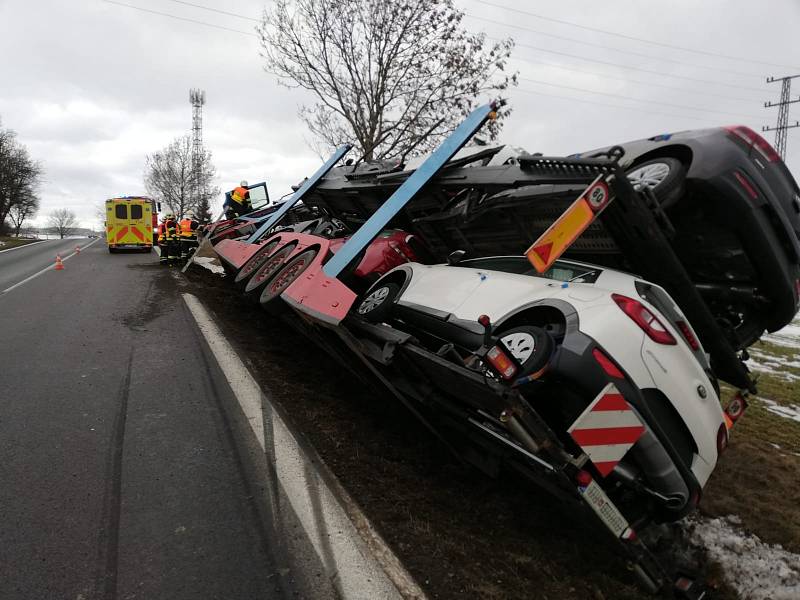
(163,14)
(682,106)
(215,10)
(631,52)
(617,106)
(630,37)
(628,80)
(628,67)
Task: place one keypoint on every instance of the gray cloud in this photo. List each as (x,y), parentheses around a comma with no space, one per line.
(92,87)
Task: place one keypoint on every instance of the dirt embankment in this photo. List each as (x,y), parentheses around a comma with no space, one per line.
(461,534)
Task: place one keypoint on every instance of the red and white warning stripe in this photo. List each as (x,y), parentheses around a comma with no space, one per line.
(607,429)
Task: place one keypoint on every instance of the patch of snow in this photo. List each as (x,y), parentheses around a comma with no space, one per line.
(758,571)
(789,336)
(791,411)
(210,263)
(776,446)
(773,368)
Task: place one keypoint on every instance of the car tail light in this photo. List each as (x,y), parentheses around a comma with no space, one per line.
(752,139)
(746,185)
(501,362)
(645,319)
(583,478)
(609,367)
(688,335)
(722,438)
(399,250)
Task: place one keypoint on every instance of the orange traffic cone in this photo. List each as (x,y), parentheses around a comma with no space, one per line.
(59,264)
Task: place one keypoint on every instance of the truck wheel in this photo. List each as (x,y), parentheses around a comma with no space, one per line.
(531,346)
(284,278)
(265,272)
(377,305)
(665,176)
(254,263)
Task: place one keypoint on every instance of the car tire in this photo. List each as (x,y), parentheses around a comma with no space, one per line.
(265,272)
(286,276)
(531,346)
(377,304)
(666,176)
(255,261)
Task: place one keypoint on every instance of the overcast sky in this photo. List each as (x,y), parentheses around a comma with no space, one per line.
(91,87)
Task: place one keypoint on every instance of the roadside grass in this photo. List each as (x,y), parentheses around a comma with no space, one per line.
(756,478)
(13,242)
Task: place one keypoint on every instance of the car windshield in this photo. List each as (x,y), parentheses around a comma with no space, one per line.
(519,265)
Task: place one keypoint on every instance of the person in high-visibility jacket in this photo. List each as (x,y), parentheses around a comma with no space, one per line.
(169,240)
(187,231)
(237,201)
(162,240)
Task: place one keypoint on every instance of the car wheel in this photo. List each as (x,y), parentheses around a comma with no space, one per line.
(377,304)
(284,278)
(531,346)
(258,259)
(265,272)
(665,176)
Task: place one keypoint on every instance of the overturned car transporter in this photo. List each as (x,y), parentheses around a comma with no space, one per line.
(474,400)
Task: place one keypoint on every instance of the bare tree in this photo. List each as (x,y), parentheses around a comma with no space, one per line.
(23,210)
(169,177)
(19,175)
(393,76)
(63,222)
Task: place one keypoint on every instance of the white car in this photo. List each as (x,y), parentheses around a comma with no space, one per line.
(584,327)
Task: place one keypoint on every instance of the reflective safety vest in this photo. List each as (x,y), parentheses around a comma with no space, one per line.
(167,231)
(239,195)
(186,230)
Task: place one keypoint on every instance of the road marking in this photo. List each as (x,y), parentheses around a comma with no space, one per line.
(356,558)
(244,387)
(45,270)
(23,246)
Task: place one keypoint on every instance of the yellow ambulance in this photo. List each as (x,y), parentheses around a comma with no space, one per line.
(130,223)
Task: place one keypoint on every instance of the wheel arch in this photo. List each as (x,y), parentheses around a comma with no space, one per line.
(544,314)
(400,275)
(681,152)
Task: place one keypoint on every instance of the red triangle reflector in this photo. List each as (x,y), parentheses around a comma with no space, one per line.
(544,251)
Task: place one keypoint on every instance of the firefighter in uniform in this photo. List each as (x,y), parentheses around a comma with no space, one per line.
(162,240)
(171,239)
(187,231)
(237,201)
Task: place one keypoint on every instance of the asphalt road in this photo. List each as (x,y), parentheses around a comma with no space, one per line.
(18,263)
(119,475)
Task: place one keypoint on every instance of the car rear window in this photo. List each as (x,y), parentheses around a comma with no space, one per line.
(519,265)
(121,211)
(136,211)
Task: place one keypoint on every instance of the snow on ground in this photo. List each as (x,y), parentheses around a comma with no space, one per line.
(210,263)
(789,336)
(758,571)
(792,411)
(772,367)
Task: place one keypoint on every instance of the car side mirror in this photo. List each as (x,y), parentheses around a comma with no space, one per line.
(455,257)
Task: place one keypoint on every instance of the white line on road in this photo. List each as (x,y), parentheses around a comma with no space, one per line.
(45,270)
(358,561)
(23,246)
